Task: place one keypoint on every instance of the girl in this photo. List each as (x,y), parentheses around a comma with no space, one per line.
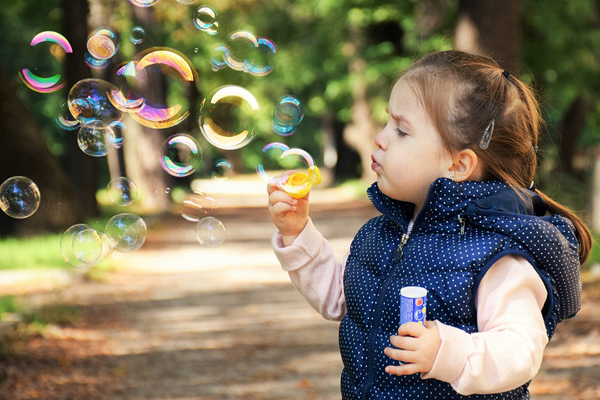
(460,217)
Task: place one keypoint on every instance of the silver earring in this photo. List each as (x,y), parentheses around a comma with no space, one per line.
(451,176)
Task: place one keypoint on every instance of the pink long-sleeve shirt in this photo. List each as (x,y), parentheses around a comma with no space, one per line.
(505,353)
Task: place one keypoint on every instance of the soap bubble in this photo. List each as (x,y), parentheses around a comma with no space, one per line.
(222,170)
(197,205)
(122,191)
(259,64)
(287,115)
(294,162)
(227,117)
(19,197)
(206,20)
(143,3)
(180,155)
(87,246)
(187,2)
(88,101)
(96,63)
(167,63)
(96,139)
(272,151)
(103,44)
(49,84)
(66,120)
(81,246)
(210,232)
(245,52)
(126,232)
(138,34)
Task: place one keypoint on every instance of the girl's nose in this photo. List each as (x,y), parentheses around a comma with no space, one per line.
(380,140)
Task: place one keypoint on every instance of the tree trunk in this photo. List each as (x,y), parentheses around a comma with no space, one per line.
(26,153)
(81,169)
(570,130)
(360,132)
(142,145)
(493,28)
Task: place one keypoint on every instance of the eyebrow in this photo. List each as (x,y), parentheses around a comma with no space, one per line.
(398,117)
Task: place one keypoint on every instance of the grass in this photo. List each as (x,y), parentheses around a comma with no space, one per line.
(31,253)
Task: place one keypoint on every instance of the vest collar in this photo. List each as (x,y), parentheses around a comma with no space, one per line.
(447,199)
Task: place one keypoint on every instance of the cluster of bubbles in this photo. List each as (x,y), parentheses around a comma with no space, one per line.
(244,52)
(227,120)
(206,20)
(82,246)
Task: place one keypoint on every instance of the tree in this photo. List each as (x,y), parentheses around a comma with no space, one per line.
(26,154)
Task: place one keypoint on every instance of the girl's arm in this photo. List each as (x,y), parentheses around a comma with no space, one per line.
(314,270)
(508,349)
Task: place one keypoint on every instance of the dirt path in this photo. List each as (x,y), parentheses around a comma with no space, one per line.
(187,322)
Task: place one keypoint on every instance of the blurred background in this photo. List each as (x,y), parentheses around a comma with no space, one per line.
(338,59)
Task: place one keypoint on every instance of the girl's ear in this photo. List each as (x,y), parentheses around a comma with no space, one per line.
(466,166)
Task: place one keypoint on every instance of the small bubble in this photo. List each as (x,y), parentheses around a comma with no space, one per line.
(210,232)
(138,34)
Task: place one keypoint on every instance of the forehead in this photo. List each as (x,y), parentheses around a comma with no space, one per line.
(405,99)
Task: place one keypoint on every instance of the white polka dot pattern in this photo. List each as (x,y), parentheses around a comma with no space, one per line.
(461,231)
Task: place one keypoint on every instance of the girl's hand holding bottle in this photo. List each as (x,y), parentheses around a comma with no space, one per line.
(417,347)
(289,215)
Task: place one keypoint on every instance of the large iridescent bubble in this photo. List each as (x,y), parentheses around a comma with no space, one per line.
(46,84)
(89,102)
(137,93)
(19,197)
(227,117)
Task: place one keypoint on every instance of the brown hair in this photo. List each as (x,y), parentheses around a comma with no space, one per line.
(462,93)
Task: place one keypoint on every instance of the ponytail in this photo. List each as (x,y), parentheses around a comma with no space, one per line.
(584,237)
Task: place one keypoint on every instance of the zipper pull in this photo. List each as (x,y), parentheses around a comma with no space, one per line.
(400,249)
(462,221)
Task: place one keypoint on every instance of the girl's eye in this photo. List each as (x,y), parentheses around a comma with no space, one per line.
(400,132)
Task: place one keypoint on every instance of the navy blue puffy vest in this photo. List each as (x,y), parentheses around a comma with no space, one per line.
(461,231)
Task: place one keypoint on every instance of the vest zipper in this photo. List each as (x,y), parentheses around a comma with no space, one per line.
(462,221)
(399,252)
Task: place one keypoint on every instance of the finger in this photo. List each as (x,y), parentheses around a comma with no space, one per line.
(400,355)
(406,369)
(280,208)
(277,181)
(404,342)
(411,329)
(283,197)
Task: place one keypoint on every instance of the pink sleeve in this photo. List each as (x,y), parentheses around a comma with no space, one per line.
(314,271)
(508,349)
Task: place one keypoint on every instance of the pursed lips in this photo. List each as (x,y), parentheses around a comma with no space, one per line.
(374,164)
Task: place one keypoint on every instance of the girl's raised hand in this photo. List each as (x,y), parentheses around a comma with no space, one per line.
(288,214)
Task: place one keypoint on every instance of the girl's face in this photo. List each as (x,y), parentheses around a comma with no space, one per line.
(410,154)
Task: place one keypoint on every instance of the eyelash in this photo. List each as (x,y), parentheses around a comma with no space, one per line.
(400,132)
